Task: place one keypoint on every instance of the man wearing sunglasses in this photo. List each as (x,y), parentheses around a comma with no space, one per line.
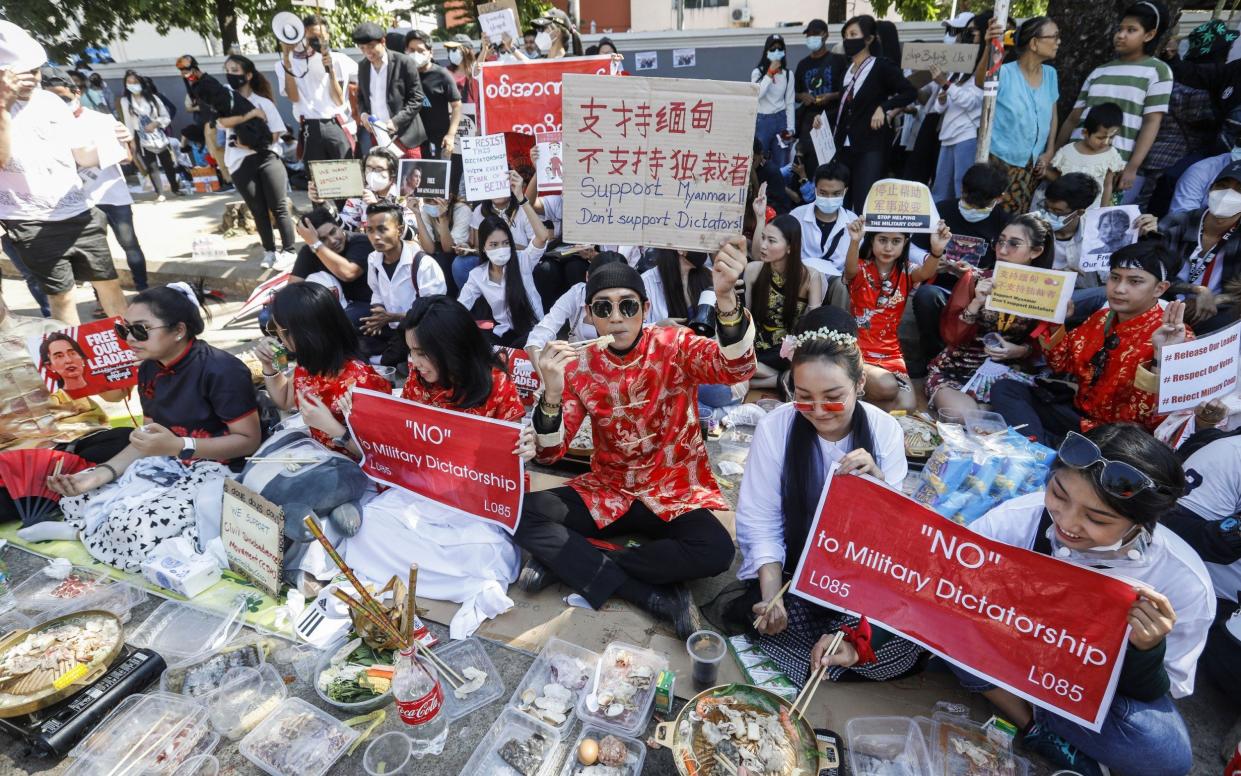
(649,472)
(1113,357)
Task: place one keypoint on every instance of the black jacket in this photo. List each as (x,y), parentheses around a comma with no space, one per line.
(1180,233)
(404,97)
(885,87)
(226,103)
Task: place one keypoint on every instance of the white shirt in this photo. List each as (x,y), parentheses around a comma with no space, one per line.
(40,181)
(814,249)
(775,95)
(658,297)
(1174,570)
(479,283)
(760,518)
(520,226)
(313,89)
(379,89)
(234,155)
(962,114)
(553,210)
(397,293)
(569,308)
(1214,474)
(104,185)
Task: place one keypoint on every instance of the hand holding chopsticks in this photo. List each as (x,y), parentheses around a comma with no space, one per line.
(816,677)
(770,606)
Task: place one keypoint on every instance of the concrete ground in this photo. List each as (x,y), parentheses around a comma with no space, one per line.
(166,231)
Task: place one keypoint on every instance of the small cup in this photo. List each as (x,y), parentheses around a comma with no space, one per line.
(706,650)
(992,340)
(388,755)
(386,372)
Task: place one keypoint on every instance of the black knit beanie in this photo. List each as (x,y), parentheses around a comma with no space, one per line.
(614,275)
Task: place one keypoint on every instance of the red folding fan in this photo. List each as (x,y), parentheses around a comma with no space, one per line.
(23,479)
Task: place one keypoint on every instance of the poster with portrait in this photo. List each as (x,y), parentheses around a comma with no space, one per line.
(550,167)
(85,360)
(645,60)
(424,178)
(1106,230)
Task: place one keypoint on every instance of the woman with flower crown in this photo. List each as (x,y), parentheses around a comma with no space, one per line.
(794,447)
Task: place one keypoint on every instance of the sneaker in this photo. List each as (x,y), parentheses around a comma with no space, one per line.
(269,260)
(285,260)
(675,604)
(161,198)
(1058,752)
(534,576)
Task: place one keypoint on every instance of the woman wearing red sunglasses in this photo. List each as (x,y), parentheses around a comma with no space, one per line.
(793,448)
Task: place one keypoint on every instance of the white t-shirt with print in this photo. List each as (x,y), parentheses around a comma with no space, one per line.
(40,181)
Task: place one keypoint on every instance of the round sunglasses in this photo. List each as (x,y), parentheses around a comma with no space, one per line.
(139,331)
(602,308)
(1117,478)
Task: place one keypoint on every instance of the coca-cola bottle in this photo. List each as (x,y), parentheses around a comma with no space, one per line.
(420,703)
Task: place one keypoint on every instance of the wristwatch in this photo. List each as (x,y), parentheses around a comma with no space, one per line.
(343,439)
(316,246)
(188,446)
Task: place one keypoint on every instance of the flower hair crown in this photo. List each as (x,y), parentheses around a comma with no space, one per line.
(790,343)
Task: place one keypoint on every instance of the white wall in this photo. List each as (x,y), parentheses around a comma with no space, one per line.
(146,43)
(657,15)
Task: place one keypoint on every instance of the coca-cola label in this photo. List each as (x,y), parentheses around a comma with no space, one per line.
(421,710)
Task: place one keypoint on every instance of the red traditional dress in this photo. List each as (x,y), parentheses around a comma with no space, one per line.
(877,303)
(330,389)
(1112,393)
(643,408)
(504,403)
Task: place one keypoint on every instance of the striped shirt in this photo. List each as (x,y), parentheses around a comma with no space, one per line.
(1139,88)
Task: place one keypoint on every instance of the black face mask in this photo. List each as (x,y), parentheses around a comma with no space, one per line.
(854,46)
(699,260)
(236,81)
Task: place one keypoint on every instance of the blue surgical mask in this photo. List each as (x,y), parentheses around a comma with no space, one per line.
(1236,154)
(828,205)
(1055,221)
(814,43)
(775,56)
(974,215)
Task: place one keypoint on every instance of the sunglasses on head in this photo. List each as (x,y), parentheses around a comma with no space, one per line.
(139,331)
(825,406)
(602,308)
(1117,478)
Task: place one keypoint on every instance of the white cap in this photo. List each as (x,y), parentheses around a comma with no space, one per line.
(18,51)
(960,20)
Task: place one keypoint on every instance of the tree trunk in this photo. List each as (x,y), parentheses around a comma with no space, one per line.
(226,20)
(837,11)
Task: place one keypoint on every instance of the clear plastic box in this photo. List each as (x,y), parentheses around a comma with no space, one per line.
(40,592)
(621,660)
(180,632)
(246,698)
(512,725)
(462,654)
(297,739)
(886,746)
(199,765)
(200,677)
(322,660)
(633,763)
(983,422)
(150,734)
(554,665)
(960,746)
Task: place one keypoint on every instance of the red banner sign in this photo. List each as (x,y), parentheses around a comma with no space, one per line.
(525,96)
(461,461)
(85,360)
(1049,631)
(521,371)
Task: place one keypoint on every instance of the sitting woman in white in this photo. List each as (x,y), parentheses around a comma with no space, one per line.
(794,447)
(570,310)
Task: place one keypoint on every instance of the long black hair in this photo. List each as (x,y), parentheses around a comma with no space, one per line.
(451,340)
(1041,236)
(794,272)
(314,321)
(668,264)
(869,27)
(764,62)
(148,89)
(1134,445)
(902,262)
(258,82)
(488,210)
(1152,15)
(520,308)
(805,471)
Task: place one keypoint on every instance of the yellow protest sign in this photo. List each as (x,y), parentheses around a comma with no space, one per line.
(895,205)
(1042,294)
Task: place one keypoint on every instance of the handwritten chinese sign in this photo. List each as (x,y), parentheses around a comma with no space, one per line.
(1031,292)
(660,162)
(253,533)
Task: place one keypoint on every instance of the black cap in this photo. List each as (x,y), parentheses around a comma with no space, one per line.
(51,76)
(614,275)
(816,27)
(368,32)
(1233,170)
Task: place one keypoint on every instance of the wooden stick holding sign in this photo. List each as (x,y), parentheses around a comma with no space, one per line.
(991,87)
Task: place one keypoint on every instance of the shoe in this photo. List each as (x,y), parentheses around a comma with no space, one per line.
(269,260)
(675,604)
(161,198)
(534,576)
(1058,752)
(285,260)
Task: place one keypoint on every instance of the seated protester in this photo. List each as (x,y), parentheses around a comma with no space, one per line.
(1065,201)
(1194,186)
(976,335)
(505,281)
(397,273)
(975,220)
(379,172)
(570,310)
(1208,243)
(308,322)
(823,221)
(451,366)
(200,416)
(779,291)
(512,210)
(794,447)
(879,287)
(1109,356)
(1100,509)
(768,172)
(330,253)
(441,225)
(677,285)
(649,474)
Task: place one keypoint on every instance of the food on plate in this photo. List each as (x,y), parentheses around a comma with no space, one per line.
(356,673)
(742,726)
(33,663)
(525,755)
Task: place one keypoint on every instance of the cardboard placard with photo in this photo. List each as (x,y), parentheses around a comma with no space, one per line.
(424,178)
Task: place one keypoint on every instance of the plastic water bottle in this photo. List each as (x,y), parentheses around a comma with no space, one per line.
(420,703)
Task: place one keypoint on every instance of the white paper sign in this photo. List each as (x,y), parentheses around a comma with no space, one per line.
(111,152)
(684,57)
(1200,370)
(484,161)
(824,143)
(645,60)
(495,20)
(550,168)
(252,529)
(1105,231)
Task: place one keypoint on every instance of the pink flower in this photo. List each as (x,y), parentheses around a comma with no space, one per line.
(787,347)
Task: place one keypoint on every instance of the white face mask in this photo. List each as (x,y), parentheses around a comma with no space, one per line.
(775,56)
(421,59)
(500,256)
(134,88)
(377,180)
(431,210)
(1224,203)
(543,41)
(949,38)
(814,43)
(454,57)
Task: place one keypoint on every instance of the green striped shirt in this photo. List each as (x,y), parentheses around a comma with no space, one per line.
(1139,88)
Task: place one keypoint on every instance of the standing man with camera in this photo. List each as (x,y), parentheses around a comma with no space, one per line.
(316,82)
(390,95)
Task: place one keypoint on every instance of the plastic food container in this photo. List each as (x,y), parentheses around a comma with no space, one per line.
(622,664)
(297,740)
(959,745)
(982,422)
(152,733)
(246,698)
(633,762)
(882,746)
(180,632)
(41,593)
(322,660)
(460,655)
(388,755)
(510,730)
(202,676)
(199,765)
(735,443)
(560,663)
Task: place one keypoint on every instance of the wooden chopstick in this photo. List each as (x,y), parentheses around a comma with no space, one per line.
(155,733)
(807,693)
(724,763)
(772,603)
(606,339)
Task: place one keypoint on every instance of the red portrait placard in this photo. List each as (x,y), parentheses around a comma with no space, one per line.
(85,360)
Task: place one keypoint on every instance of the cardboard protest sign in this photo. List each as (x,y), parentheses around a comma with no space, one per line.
(498,19)
(995,610)
(1030,292)
(824,143)
(337,178)
(1106,230)
(550,167)
(895,205)
(522,372)
(85,360)
(253,534)
(464,462)
(525,97)
(949,57)
(424,177)
(484,162)
(659,162)
(1199,370)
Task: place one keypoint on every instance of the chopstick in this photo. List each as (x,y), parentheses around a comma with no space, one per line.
(606,339)
(807,693)
(444,668)
(155,733)
(770,604)
(725,764)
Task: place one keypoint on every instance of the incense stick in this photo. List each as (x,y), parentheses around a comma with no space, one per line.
(312,525)
(411,602)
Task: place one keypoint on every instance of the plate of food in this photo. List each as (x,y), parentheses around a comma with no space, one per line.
(52,661)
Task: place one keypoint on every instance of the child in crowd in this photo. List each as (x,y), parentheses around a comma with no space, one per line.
(1093,155)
